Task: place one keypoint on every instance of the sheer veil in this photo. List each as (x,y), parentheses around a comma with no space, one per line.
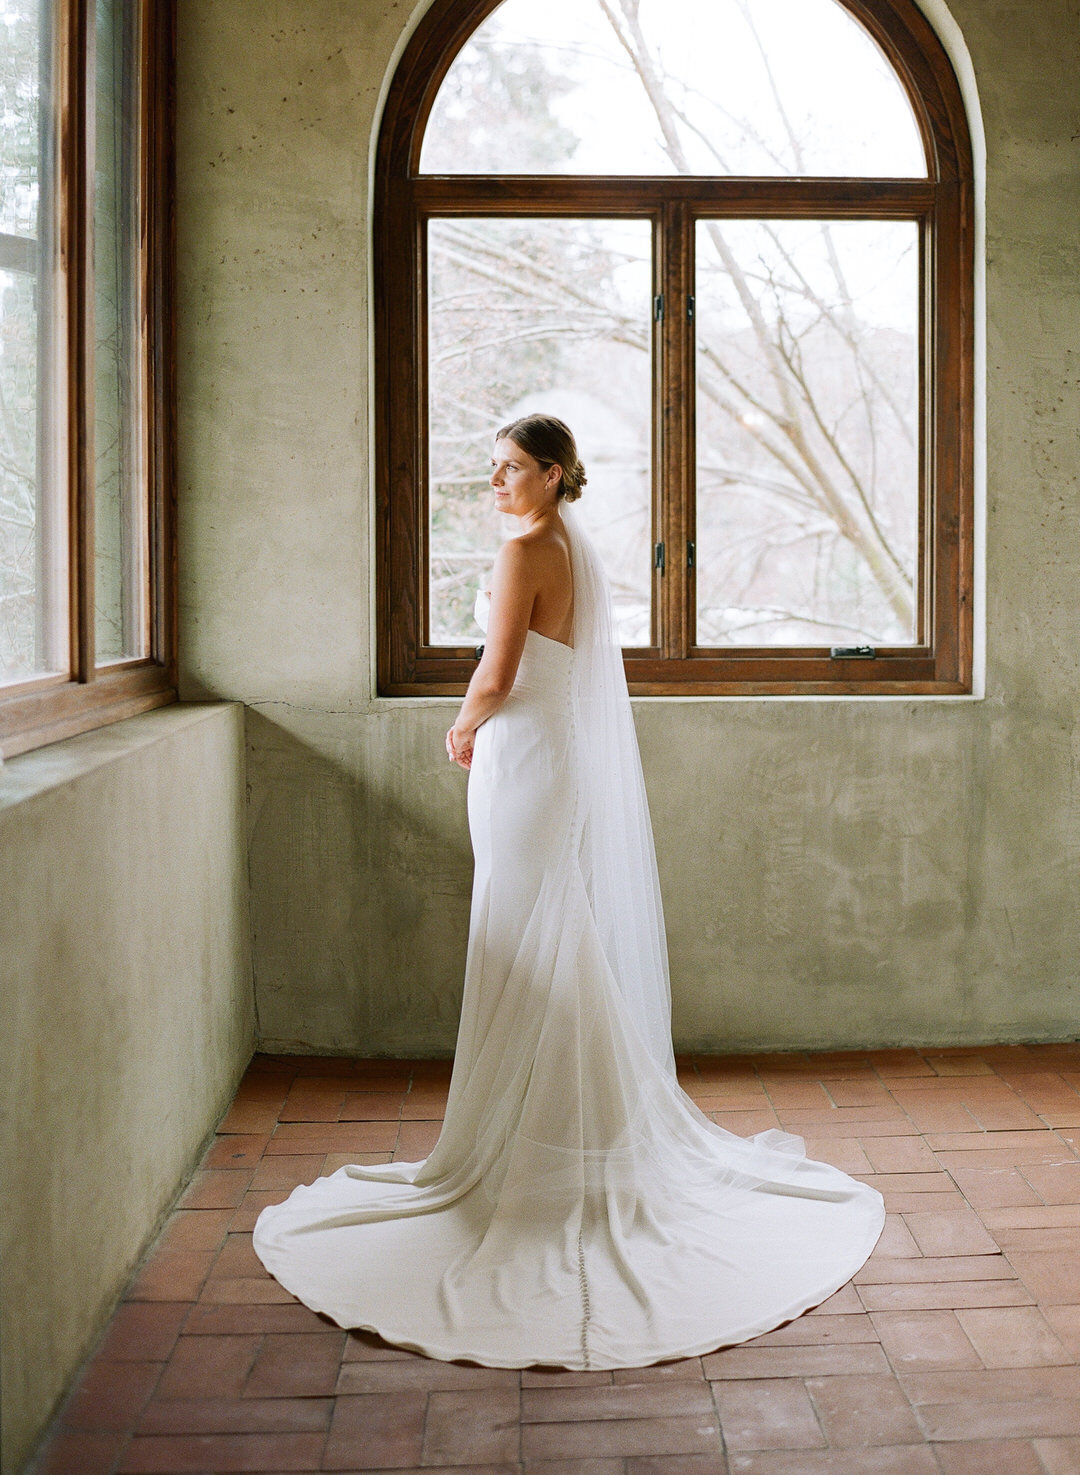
(618,860)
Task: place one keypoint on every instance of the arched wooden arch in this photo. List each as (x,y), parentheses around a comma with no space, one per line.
(943,205)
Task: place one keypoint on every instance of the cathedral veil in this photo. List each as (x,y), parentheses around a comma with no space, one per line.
(618,860)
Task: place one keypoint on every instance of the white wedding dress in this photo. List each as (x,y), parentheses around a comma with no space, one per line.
(578,1209)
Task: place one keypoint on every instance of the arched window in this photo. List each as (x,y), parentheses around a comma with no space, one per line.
(731,245)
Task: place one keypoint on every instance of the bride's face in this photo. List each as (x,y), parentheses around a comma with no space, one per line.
(521,484)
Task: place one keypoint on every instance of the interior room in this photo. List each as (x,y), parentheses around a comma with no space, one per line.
(242,838)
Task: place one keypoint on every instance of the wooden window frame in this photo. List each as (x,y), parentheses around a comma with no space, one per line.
(942,204)
(45,709)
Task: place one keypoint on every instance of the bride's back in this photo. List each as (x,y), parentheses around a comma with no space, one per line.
(549,555)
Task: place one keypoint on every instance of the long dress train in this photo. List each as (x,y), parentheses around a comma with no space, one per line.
(578,1209)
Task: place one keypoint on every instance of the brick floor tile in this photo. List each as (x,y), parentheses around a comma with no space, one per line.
(1004,1116)
(955,1232)
(904,1459)
(1000,1420)
(243,1220)
(287,1171)
(377,1106)
(478,1427)
(195,1229)
(797,1116)
(1051,1150)
(296,1365)
(863,1092)
(335,1160)
(216,1188)
(1058,1456)
(392,1083)
(1065,1322)
(88,1454)
(611,1465)
(172,1275)
(768,1414)
(957,1063)
(415,1140)
(844,1302)
(218,1320)
(384,1376)
(1057,1183)
(842,1152)
(376,1433)
(549,1377)
(1061,1116)
(863,1410)
(994,1188)
(236,1258)
(143,1331)
(424,1106)
(881,1270)
(745,1123)
(236,1150)
(747,1362)
(990,1385)
(1014,1336)
(306,1105)
(687,1369)
(618,1401)
(809,1331)
(989,1457)
(111,1396)
(896,1242)
(1052,1278)
(945,1295)
(367,1347)
(244,1291)
(208,1367)
(249,1118)
(614,1465)
(712,1464)
(1017,1144)
(706,1100)
(787,1093)
(621,1437)
(292,1138)
(899,1202)
(935,1115)
(899,1155)
(1036,1216)
(916,1341)
(197,1454)
(236,1416)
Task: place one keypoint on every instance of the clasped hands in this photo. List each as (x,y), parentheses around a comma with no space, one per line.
(459,748)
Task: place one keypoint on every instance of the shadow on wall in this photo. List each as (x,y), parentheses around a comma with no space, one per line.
(361,872)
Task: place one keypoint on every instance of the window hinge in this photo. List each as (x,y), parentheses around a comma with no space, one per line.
(478,652)
(658,307)
(658,557)
(690,553)
(853,652)
(689,309)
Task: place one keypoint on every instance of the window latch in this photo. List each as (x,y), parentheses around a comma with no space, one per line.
(478,652)
(658,306)
(689,309)
(658,558)
(853,652)
(691,554)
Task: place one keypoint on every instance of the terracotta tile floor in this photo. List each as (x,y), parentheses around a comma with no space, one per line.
(955,1350)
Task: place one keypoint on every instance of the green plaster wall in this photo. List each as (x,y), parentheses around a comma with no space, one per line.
(125,1020)
(835,873)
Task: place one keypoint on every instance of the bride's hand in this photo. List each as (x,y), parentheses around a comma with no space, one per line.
(459,747)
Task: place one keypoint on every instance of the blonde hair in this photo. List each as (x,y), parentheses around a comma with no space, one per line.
(551,443)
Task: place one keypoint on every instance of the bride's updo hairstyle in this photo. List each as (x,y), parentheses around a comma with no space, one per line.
(551,443)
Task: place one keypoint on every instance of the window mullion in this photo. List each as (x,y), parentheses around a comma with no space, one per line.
(77,228)
(676,430)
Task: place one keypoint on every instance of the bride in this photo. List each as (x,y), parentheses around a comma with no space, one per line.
(578,1210)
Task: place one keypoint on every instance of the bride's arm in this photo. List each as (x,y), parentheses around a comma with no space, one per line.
(513,593)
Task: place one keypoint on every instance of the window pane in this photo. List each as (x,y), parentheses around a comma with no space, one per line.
(538,315)
(121,555)
(33,541)
(807,474)
(756,87)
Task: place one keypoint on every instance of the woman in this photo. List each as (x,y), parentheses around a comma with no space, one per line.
(578,1210)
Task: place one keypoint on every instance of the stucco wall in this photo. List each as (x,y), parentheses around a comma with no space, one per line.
(125,1019)
(834,872)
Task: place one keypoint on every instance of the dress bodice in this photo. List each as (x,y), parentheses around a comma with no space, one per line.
(544,669)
